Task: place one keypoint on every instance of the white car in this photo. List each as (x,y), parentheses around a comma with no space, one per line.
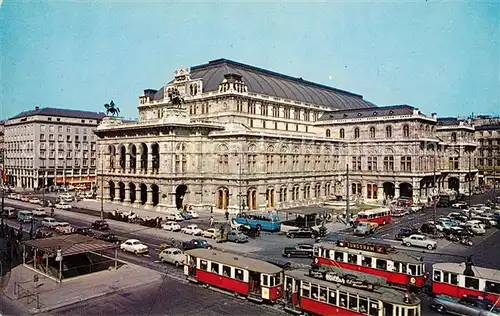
(39,212)
(459,205)
(192,229)
(64,228)
(193,214)
(475,222)
(475,228)
(35,201)
(174,217)
(171,226)
(420,241)
(209,233)
(134,246)
(173,256)
(49,222)
(63,206)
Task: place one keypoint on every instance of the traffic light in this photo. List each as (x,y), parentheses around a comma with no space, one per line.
(322,231)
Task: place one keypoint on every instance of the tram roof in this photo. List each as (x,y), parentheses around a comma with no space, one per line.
(392,255)
(385,293)
(233,260)
(459,268)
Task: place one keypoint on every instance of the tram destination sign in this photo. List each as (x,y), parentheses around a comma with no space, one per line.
(348,280)
(372,247)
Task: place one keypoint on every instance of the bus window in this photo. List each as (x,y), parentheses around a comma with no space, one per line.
(381,264)
(353,302)
(472,283)
(332,298)
(363,305)
(323,294)
(437,275)
(343,299)
(339,256)
(314,292)
(352,258)
(492,287)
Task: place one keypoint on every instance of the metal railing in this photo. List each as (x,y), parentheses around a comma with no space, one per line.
(25,293)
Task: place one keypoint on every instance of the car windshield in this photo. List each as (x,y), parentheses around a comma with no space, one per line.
(203,242)
(136,243)
(176,252)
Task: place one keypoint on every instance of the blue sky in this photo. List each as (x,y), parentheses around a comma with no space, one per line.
(438,56)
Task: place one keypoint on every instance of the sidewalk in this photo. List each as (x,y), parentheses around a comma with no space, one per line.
(53,295)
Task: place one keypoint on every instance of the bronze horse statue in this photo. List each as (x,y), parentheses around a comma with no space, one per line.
(112,108)
(175,97)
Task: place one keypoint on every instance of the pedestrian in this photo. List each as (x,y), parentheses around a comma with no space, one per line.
(227,215)
(52,212)
(211,221)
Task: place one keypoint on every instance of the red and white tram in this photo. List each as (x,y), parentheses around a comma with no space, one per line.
(328,294)
(380,216)
(460,279)
(397,268)
(255,279)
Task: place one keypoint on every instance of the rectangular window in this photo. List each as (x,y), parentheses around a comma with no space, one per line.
(453,279)
(343,299)
(226,271)
(492,287)
(238,274)
(214,267)
(314,292)
(381,264)
(472,283)
(339,256)
(59,129)
(353,302)
(306,289)
(437,276)
(203,265)
(323,294)
(352,258)
(265,281)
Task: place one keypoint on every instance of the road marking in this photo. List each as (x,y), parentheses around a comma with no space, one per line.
(385,235)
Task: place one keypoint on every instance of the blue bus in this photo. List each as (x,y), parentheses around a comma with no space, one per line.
(262,221)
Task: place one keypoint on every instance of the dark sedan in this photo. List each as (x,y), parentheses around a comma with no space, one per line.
(302,233)
(405,232)
(100,224)
(301,250)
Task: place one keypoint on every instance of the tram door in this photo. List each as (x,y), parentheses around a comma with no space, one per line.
(254,282)
(291,291)
(388,310)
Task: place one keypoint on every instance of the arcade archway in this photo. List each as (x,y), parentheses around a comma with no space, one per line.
(180,193)
(454,184)
(405,190)
(144,193)
(156,194)
(389,189)
(111,190)
(121,190)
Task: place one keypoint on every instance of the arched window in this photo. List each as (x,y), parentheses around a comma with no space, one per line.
(328,133)
(341,133)
(406,131)
(356,132)
(388,132)
(454,137)
(372,132)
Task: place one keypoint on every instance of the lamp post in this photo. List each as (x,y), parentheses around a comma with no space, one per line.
(470,184)
(101,158)
(347,193)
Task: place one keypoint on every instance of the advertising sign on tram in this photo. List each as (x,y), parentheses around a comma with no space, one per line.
(348,280)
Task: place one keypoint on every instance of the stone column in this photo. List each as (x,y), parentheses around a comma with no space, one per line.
(127,194)
(127,161)
(150,162)
(137,201)
(380,192)
(117,193)
(149,201)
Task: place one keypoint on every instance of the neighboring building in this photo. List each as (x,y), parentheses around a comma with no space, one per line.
(48,146)
(249,138)
(488,154)
(2,152)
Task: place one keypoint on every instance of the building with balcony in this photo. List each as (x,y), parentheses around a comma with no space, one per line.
(487,135)
(47,146)
(232,136)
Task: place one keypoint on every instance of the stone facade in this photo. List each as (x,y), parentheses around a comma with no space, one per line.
(226,146)
(487,135)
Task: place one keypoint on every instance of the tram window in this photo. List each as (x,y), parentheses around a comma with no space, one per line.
(353,302)
(381,264)
(238,274)
(339,256)
(453,279)
(332,299)
(306,289)
(316,252)
(472,283)
(419,270)
(322,294)
(314,292)
(215,267)
(446,277)
(492,287)
(367,261)
(437,275)
(271,280)
(343,299)
(373,309)
(363,305)
(352,258)
(203,265)
(226,271)
(331,254)
(411,312)
(265,282)
(278,279)
(412,269)
(397,266)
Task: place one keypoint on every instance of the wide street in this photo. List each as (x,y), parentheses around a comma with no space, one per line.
(266,247)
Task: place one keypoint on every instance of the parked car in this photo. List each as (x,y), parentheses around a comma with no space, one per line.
(429,228)
(365,228)
(475,228)
(458,231)
(25,198)
(301,250)
(467,305)
(25,216)
(209,233)
(64,228)
(63,206)
(49,222)
(35,201)
(196,243)
(85,231)
(185,215)
(173,256)
(405,232)
(171,226)
(305,232)
(174,217)
(39,212)
(100,224)
(460,205)
(420,241)
(112,238)
(192,229)
(9,212)
(193,214)
(237,237)
(485,221)
(134,246)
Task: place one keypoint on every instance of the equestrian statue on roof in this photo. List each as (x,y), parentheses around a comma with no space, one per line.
(175,97)
(112,108)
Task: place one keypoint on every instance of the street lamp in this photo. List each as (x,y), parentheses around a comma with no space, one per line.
(101,158)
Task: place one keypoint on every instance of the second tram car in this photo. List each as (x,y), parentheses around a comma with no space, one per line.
(464,279)
(381,260)
(258,280)
(330,294)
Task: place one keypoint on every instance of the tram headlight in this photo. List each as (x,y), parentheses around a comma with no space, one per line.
(412,280)
(316,260)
